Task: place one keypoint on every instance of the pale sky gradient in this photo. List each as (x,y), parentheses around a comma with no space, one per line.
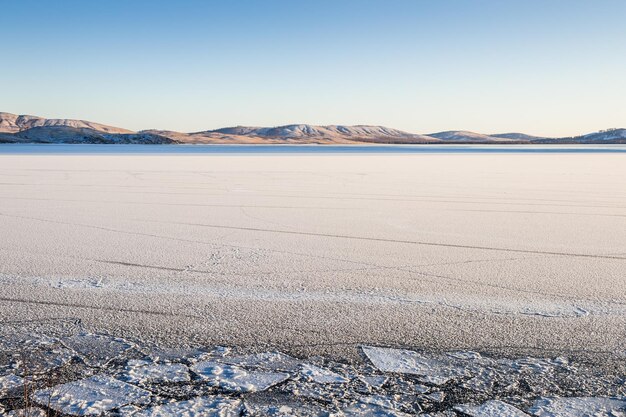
(546,67)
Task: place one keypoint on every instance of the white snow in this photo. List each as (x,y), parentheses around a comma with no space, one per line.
(234,378)
(141,371)
(492,408)
(196,407)
(321,375)
(579,407)
(91,396)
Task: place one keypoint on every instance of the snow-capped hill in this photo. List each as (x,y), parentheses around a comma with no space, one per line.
(68,134)
(11,123)
(605,135)
(465,136)
(310,131)
(517,136)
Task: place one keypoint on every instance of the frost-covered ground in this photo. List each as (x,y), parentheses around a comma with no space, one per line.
(511,255)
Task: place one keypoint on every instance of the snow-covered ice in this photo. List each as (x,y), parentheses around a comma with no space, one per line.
(196,407)
(579,407)
(275,361)
(10,383)
(96,349)
(91,396)
(493,408)
(142,371)
(371,410)
(235,378)
(431,370)
(321,375)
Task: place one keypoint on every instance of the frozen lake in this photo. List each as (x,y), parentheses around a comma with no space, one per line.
(316,250)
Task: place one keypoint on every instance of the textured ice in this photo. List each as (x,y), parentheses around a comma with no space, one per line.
(235,378)
(371,410)
(91,396)
(9,383)
(431,370)
(141,371)
(196,407)
(26,412)
(282,406)
(97,350)
(321,375)
(579,407)
(275,361)
(493,408)
(42,359)
(436,396)
(375,381)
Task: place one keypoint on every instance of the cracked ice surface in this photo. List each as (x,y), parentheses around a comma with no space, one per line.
(196,407)
(492,408)
(579,407)
(9,383)
(96,350)
(234,378)
(431,370)
(26,412)
(321,375)
(477,372)
(142,371)
(91,396)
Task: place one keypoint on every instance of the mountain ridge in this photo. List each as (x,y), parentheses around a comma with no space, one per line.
(33,129)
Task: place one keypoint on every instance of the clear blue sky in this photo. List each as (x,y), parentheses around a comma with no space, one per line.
(551,67)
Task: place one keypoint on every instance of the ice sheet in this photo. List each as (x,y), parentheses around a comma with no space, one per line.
(234,378)
(91,396)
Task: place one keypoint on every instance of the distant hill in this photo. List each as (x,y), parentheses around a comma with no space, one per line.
(32,129)
(12,123)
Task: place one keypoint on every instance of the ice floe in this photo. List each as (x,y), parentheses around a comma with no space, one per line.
(91,396)
(235,378)
(27,412)
(431,370)
(10,383)
(579,407)
(142,371)
(371,410)
(274,361)
(196,407)
(97,350)
(321,375)
(493,408)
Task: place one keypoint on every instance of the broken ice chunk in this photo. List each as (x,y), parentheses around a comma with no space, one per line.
(44,359)
(436,396)
(430,369)
(371,410)
(159,373)
(274,361)
(9,383)
(375,381)
(97,350)
(321,375)
(281,406)
(27,412)
(493,408)
(234,378)
(91,396)
(196,407)
(578,407)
